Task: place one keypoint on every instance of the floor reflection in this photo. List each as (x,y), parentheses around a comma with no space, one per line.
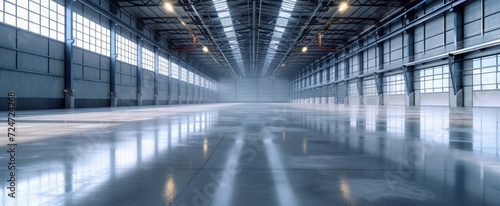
(453,152)
(264,154)
(51,170)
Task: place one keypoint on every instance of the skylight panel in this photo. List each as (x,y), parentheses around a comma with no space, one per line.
(224,14)
(227,23)
(279,29)
(281,22)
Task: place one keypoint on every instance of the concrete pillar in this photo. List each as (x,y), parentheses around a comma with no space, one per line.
(410,99)
(455,63)
(380,99)
(139,71)
(379,85)
(408,71)
(169,81)
(360,72)
(112,66)
(69,97)
(156,77)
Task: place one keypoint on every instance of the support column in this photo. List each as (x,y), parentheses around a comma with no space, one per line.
(455,62)
(112,65)
(410,91)
(202,90)
(169,86)
(139,71)
(179,101)
(212,94)
(360,72)
(408,71)
(337,77)
(207,92)
(187,85)
(69,96)
(346,75)
(156,80)
(199,89)
(380,88)
(379,76)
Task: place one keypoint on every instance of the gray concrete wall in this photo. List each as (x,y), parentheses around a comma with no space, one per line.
(253,90)
(435,99)
(174,90)
(370,100)
(394,99)
(32,66)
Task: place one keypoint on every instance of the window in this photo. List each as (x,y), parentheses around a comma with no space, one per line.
(90,36)
(485,73)
(196,80)
(148,60)
(324,72)
(126,50)
(354,69)
(175,71)
(203,80)
(434,79)
(353,89)
(163,65)
(1,11)
(341,93)
(341,66)
(369,87)
(394,84)
(332,73)
(183,74)
(191,77)
(44,17)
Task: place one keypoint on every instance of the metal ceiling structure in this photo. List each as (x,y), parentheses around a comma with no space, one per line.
(257,38)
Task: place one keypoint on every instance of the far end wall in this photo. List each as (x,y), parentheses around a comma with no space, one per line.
(253,90)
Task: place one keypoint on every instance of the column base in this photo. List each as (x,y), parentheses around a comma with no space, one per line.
(380,99)
(410,99)
(457,100)
(69,101)
(139,100)
(113,102)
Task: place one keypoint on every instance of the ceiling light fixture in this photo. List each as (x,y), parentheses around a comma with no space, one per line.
(205,49)
(169,6)
(304,49)
(343,6)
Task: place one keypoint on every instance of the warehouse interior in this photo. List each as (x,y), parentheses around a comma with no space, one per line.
(250,102)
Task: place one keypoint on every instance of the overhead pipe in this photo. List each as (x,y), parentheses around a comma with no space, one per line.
(320,47)
(189,48)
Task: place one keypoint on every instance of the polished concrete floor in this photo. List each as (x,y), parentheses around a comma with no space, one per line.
(256,154)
